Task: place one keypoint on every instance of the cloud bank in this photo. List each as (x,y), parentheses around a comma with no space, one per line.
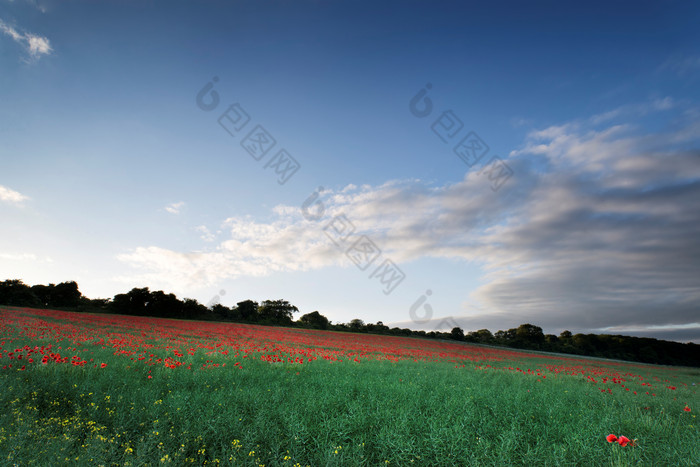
(598,229)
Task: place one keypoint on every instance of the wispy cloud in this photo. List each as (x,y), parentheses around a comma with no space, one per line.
(34,45)
(11,196)
(518,122)
(636,110)
(683,66)
(174,208)
(25,257)
(205,233)
(39,5)
(666,103)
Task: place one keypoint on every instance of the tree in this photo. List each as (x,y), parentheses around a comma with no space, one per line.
(378,328)
(43,293)
(66,294)
(315,320)
(93,305)
(16,293)
(583,343)
(357,324)
(482,336)
(277,311)
(529,335)
(134,302)
(222,312)
(457,334)
(248,310)
(164,305)
(648,355)
(565,335)
(192,309)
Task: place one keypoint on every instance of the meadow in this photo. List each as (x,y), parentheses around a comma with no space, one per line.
(84,389)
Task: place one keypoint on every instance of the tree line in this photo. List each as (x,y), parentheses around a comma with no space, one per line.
(630,348)
(144,302)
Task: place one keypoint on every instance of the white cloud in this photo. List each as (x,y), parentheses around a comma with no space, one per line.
(174,208)
(25,257)
(11,196)
(38,45)
(206,234)
(34,45)
(181,270)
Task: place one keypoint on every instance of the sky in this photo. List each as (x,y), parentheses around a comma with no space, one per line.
(423,164)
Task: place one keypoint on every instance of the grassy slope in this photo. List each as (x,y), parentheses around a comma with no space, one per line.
(331,413)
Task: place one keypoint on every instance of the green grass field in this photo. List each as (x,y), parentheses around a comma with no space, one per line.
(202,394)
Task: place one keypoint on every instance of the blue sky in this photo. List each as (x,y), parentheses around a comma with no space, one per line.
(112,175)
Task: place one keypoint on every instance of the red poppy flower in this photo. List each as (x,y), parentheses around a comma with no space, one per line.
(104,365)
(611,438)
(686,409)
(623,440)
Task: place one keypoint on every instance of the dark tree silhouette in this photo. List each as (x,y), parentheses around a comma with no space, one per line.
(482,336)
(529,336)
(66,294)
(143,302)
(17,293)
(222,312)
(277,312)
(193,309)
(43,293)
(378,328)
(133,302)
(248,310)
(315,320)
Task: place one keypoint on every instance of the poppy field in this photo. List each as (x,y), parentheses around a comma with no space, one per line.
(92,389)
